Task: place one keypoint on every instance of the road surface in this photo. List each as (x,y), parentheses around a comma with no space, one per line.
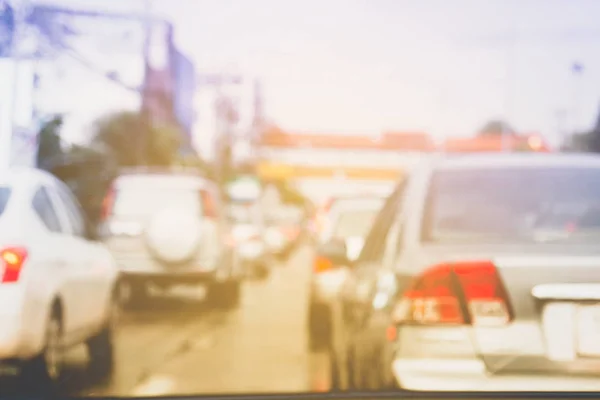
(176,346)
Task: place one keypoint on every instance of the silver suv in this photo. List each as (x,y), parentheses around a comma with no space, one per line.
(167,227)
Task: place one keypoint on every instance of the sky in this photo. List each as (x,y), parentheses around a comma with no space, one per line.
(363,66)
(435,65)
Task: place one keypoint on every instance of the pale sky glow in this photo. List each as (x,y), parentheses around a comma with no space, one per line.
(444,66)
(436,65)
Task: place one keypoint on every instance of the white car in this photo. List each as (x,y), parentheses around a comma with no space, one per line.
(169,227)
(480,273)
(247,227)
(350,219)
(57,283)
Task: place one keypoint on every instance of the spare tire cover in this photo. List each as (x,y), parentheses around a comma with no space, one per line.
(173,235)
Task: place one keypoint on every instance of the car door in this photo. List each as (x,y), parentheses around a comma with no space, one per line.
(361,283)
(349,308)
(59,265)
(90,273)
(77,283)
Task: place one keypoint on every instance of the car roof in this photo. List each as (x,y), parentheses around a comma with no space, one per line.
(496,160)
(22,177)
(163,179)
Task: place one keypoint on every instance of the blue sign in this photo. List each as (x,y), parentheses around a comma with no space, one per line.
(184,92)
(7,28)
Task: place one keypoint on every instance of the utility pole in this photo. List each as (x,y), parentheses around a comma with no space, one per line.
(142,139)
(577,70)
(560,115)
(223,112)
(511,49)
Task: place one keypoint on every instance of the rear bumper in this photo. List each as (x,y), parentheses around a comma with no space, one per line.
(445,358)
(169,277)
(11,336)
(471,375)
(17,337)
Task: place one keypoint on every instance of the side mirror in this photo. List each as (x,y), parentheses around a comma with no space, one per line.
(336,252)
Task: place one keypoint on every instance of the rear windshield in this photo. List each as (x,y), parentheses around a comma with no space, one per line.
(5,193)
(148,201)
(354,223)
(513,204)
(243,213)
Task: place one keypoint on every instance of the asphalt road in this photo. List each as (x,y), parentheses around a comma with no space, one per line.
(175,345)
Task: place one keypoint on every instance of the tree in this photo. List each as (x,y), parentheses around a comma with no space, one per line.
(135,142)
(496,127)
(88,172)
(125,134)
(163,145)
(593,137)
(587,141)
(49,143)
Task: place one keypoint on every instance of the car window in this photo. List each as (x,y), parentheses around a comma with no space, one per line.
(76,218)
(395,239)
(513,204)
(43,207)
(354,223)
(5,193)
(375,242)
(144,201)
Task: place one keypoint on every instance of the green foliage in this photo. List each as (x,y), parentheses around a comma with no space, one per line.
(135,142)
(163,145)
(496,127)
(587,141)
(49,143)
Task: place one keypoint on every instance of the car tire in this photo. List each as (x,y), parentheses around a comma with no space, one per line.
(334,373)
(224,295)
(136,293)
(101,349)
(318,327)
(43,373)
(262,271)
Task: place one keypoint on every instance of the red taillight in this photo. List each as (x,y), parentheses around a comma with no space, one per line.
(208,205)
(328,204)
(108,202)
(12,260)
(322,264)
(468,292)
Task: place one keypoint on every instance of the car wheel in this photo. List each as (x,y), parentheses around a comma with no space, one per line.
(225,295)
(44,372)
(334,373)
(101,348)
(262,271)
(133,293)
(318,327)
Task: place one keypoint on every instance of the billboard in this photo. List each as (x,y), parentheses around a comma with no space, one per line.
(159,83)
(7,28)
(108,44)
(185,89)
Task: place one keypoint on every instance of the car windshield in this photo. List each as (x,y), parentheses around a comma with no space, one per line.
(354,223)
(148,201)
(513,204)
(166,118)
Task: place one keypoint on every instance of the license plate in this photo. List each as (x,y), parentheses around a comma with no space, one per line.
(588,330)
